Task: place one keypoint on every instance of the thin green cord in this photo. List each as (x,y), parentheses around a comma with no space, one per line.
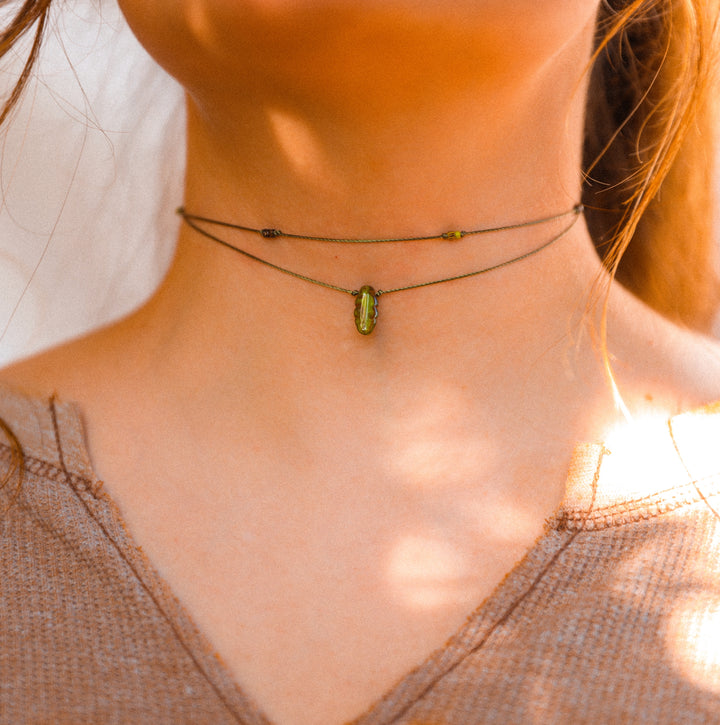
(270,233)
(577,210)
(366,299)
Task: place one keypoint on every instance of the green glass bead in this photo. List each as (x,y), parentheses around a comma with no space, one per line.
(366,310)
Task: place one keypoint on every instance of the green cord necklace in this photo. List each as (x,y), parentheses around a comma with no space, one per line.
(366,298)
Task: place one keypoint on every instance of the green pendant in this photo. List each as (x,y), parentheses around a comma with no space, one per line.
(366,310)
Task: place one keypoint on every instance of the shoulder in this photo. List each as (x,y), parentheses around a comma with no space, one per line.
(48,373)
(658,365)
(667,382)
(40,402)
(39,429)
(43,455)
(76,371)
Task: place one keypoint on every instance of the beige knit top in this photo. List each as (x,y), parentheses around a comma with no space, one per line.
(613,616)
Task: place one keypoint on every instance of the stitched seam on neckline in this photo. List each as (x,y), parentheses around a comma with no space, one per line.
(623,513)
(51,471)
(171,621)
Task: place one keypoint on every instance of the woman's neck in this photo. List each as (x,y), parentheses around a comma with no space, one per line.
(406,122)
(468,160)
(231,351)
(480,150)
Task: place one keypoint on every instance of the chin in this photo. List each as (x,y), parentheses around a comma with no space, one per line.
(312,47)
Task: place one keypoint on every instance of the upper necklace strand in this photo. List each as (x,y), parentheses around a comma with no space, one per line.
(270,233)
(366,298)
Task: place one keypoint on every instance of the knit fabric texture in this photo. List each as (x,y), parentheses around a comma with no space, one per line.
(613,616)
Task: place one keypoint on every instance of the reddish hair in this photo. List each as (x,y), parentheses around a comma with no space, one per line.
(649,153)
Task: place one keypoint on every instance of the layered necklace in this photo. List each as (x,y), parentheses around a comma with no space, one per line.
(367,297)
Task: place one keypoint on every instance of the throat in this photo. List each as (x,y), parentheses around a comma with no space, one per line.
(367,297)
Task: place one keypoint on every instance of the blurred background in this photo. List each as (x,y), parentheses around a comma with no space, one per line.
(91,170)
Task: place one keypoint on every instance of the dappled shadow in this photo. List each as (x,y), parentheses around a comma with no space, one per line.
(622,628)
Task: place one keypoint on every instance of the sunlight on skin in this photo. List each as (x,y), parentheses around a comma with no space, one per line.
(433,570)
(427,456)
(433,564)
(698,434)
(642,456)
(302,150)
(440,444)
(198,21)
(643,453)
(428,573)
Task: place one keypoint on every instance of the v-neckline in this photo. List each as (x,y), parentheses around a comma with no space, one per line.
(404,692)
(410,688)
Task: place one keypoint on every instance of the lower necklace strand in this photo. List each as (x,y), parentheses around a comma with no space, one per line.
(367,298)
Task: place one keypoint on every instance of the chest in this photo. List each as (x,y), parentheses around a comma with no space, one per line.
(319,604)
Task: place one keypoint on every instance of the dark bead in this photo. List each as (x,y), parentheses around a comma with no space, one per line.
(270,233)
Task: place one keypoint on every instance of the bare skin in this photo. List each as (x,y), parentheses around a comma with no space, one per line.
(330,507)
